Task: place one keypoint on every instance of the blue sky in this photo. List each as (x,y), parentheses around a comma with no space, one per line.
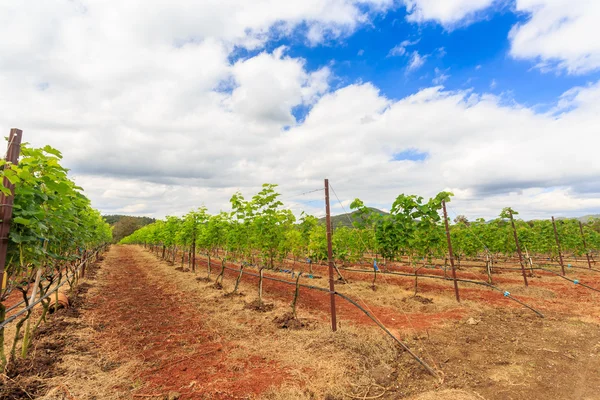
(474,56)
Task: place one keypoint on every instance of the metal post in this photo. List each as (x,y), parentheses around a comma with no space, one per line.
(562,265)
(587,254)
(512,222)
(6,202)
(450,251)
(330,257)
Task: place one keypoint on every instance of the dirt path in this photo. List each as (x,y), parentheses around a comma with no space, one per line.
(153,321)
(146,330)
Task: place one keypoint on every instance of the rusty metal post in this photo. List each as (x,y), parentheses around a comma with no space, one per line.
(6,202)
(330,257)
(512,222)
(450,252)
(560,258)
(587,254)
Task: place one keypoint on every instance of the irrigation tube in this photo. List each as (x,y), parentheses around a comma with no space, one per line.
(23,301)
(488,285)
(43,280)
(423,363)
(506,294)
(404,346)
(575,281)
(50,292)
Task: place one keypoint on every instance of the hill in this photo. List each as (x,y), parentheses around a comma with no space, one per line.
(125,225)
(586,218)
(347,219)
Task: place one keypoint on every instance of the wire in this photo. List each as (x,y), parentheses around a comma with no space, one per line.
(361,299)
(48,293)
(365,310)
(302,194)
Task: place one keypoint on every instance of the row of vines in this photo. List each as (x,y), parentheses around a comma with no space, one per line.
(53,226)
(261,231)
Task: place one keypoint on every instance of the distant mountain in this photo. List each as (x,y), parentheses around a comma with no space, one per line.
(125,225)
(586,218)
(348,218)
(113,219)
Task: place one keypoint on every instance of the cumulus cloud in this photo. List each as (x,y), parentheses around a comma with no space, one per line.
(156,113)
(559,34)
(447,13)
(556,34)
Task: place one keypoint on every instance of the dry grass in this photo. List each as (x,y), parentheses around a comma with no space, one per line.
(98,373)
(448,394)
(319,363)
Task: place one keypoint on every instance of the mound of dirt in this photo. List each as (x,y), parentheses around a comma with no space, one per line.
(287,321)
(234,294)
(259,306)
(419,299)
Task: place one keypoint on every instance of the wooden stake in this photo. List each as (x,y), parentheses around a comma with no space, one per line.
(330,257)
(450,252)
(562,265)
(296,293)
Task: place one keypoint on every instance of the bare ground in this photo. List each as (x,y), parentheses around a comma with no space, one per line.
(147,330)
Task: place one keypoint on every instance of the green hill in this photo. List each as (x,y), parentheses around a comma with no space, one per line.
(125,225)
(586,218)
(348,218)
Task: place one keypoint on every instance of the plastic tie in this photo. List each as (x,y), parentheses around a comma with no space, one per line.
(506,293)
(576,281)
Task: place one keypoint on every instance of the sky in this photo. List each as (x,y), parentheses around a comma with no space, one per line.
(161,106)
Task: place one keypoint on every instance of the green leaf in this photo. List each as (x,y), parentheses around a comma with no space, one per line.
(53,151)
(22,221)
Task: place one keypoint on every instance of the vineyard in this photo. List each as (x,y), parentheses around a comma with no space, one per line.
(260,232)
(53,232)
(258,302)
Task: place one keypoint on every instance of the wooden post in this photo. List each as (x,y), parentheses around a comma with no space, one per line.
(512,222)
(529,260)
(330,257)
(194,250)
(450,252)
(296,293)
(260,282)
(6,202)
(560,258)
(239,278)
(587,254)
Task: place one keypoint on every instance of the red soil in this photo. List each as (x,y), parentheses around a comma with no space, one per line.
(161,326)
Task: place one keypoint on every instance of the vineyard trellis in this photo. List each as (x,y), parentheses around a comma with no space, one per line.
(260,232)
(49,230)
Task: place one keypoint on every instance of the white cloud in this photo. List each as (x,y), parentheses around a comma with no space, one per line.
(416,61)
(400,49)
(558,34)
(445,12)
(270,85)
(440,76)
(493,84)
(158,116)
